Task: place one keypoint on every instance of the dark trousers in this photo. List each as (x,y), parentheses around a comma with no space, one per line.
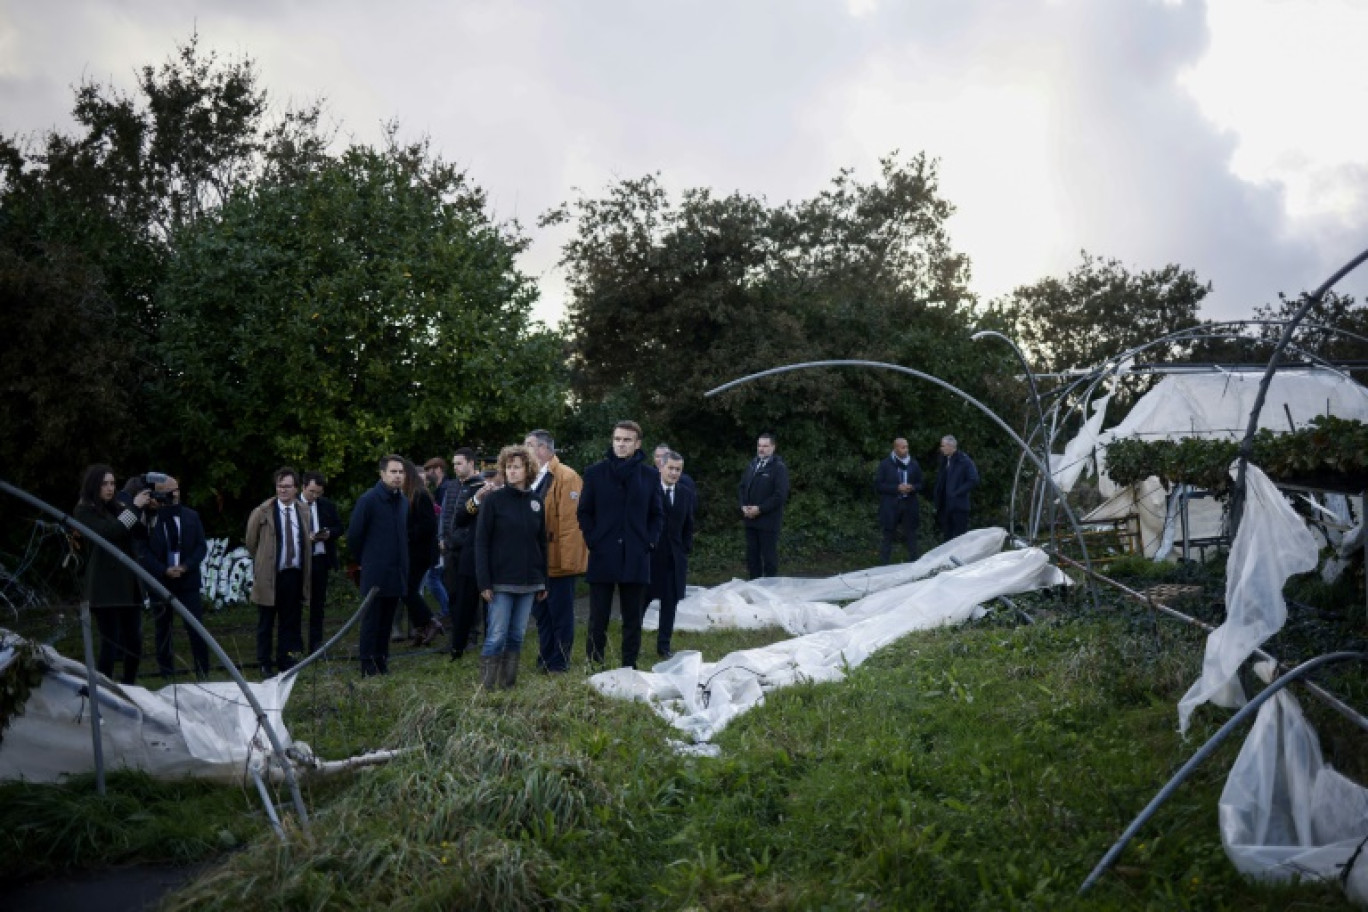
(120,629)
(375,634)
(555,616)
(664,583)
(631,601)
(905,516)
(288,612)
(762,552)
(419,613)
(164,617)
(467,611)
(318,600)
(669,602)
(954,524)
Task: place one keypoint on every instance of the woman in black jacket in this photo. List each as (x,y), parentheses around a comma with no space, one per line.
(510,564)
(422,542)
(115,596)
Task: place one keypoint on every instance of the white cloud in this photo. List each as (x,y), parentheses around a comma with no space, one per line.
(1222,136)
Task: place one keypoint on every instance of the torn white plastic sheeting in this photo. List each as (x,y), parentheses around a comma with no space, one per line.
(804,605)
(1272,544)
(208,731)
(1079,452)
(700,698)
(1284,812)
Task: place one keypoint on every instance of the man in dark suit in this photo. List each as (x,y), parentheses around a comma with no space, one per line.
(897,481)
(957,477)
(278,540)
(763,492)
(174,550)
(325,525)
(670,559)
(621,517)
(378,538)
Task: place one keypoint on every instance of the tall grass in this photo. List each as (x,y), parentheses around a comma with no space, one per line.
(985,767)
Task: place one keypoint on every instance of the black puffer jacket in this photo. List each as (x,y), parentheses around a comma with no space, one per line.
(510,539)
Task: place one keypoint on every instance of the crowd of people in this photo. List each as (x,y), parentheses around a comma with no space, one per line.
(498,550)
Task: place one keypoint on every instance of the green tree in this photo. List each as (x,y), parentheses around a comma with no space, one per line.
(670,300)
(1100,309)
(85,226)
(326,316)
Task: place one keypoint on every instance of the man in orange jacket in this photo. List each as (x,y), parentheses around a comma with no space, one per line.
(559,488)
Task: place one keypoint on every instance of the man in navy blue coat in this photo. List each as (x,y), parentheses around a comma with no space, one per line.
(897,481)
(621,517)
(957,477)
(670,559)
(378,540)
(174,550)
(763,492)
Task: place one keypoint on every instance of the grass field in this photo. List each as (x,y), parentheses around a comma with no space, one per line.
(984,767)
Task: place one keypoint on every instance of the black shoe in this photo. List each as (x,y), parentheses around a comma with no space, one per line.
(666,653)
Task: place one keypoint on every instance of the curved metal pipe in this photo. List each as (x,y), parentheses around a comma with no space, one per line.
(365,603)
(1206,751)
(949,387)
(92,682)
(1040,411)
(1247,445)
(1108,367)
(277,746)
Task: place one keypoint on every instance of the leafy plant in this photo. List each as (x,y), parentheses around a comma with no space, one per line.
(1329,452)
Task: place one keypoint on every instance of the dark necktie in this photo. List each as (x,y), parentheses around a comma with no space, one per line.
(287,529)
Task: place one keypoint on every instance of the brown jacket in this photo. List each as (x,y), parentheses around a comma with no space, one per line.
(261,542)
(566,554)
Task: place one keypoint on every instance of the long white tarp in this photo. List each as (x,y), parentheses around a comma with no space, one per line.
(203,730)
(802,605)
(701,698)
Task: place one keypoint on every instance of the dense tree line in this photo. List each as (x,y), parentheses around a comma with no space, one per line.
(193,281)
(186,286)
(672,298)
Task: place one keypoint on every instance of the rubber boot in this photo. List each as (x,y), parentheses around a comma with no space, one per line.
(511,658)
(489,671)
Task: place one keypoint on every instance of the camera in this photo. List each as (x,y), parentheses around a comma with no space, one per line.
(150,480)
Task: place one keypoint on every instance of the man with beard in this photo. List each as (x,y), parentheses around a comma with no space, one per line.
(175,548)
(458,551)
(559,488)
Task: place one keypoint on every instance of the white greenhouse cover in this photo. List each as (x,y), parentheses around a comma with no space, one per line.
(203,730)
(1211,405)
(701,698)
(1284,812)
(803,605)
(1272,544)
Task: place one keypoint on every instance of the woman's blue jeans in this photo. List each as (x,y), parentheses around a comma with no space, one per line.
(508,615)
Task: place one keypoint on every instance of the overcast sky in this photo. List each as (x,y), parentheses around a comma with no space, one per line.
(1226,136)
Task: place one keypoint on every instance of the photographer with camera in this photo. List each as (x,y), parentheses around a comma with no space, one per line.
(114,594)
(175,548)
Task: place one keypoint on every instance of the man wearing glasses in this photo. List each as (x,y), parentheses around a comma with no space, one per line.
(175,548)
(278,538)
